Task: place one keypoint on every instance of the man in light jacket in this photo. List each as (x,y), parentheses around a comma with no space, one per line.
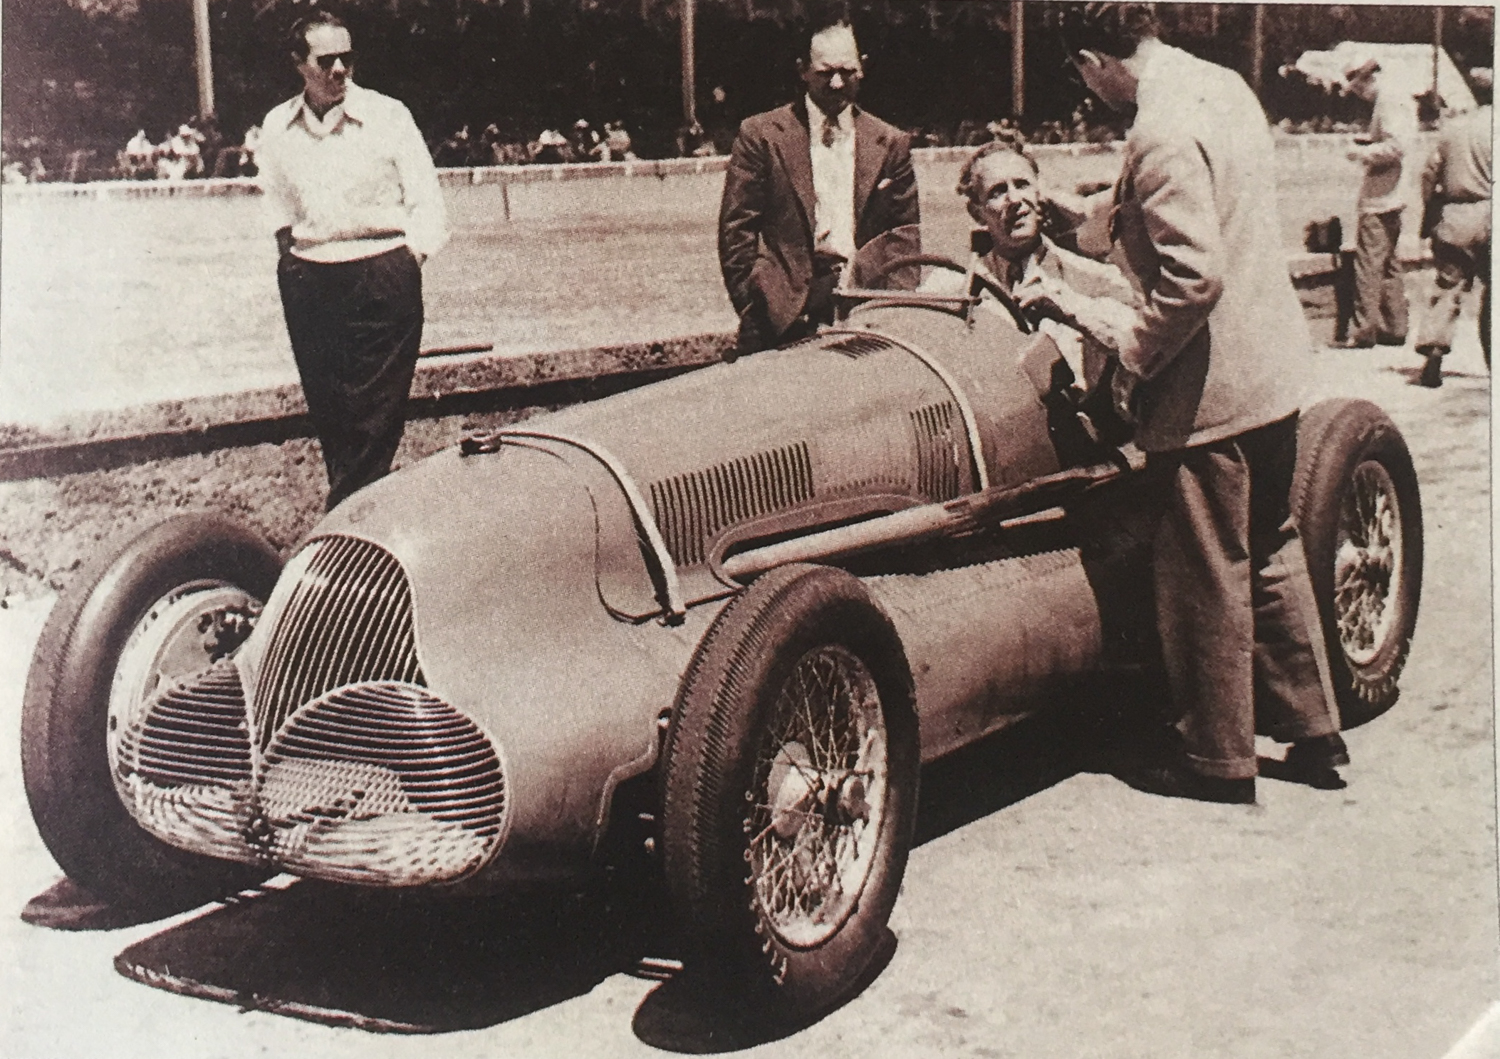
(1206,369)
(1379,291)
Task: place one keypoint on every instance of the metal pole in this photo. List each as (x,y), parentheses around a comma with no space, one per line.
(1017,59)
(689,88)
(205,59)
(1258,48)
(1437,46)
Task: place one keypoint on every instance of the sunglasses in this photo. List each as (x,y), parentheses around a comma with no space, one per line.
(325,62)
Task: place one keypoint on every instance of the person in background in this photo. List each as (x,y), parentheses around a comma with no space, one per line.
(1379,292)
(1207,367)
(1456,189)
(138,160)
(807,185)
(355,204)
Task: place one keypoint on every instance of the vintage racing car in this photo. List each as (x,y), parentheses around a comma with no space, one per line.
(759,595)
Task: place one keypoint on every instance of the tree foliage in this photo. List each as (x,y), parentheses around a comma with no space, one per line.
(90,72)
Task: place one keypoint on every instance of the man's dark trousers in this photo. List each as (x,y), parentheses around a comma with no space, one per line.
(1240,632)
(356,327)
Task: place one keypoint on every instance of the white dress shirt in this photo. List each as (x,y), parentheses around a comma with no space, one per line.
(833,180)
(352,184)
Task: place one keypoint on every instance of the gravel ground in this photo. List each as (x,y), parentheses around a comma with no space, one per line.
(48,526)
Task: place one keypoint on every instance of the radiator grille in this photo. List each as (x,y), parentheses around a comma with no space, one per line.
(692,509)
(940,451)
(381,784)
(347,620)
(184,767)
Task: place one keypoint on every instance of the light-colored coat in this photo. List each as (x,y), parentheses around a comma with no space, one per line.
(1221,337)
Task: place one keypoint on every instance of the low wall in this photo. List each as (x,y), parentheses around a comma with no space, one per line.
(443,386)
(1331,145)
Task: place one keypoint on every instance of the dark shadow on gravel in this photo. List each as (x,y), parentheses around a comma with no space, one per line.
(394,963)
(411,963)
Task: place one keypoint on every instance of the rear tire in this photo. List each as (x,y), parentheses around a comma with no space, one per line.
(201,575)
(790,788)
(1359,511)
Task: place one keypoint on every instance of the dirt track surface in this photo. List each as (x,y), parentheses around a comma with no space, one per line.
(1048,912)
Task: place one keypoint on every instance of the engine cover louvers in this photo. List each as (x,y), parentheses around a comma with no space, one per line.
(691,509)
(941,449)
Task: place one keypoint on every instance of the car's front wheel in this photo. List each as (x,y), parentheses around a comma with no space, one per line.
(1358,509)
(162,609)
(790,787)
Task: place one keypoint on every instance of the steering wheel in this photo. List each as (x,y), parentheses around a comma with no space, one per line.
(978,279)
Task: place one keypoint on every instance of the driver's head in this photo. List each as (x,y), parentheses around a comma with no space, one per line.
(1000,184)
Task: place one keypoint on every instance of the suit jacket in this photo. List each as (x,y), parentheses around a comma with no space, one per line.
(1220,339)
(767,212)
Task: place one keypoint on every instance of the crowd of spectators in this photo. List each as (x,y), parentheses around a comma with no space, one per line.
(198,148)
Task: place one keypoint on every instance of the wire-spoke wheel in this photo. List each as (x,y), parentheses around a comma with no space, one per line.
(1360,514)
(789,791)
(1366,563)
(820,782)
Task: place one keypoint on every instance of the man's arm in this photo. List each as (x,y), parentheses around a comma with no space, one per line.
(741,214)
(1174,189)
(900,182)
(427,225)
(280,198)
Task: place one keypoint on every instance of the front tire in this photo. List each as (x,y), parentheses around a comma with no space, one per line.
(162,608)
(1359,511)
(790,789)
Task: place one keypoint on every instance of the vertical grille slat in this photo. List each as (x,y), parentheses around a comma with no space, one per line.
(693,509)
(348,621)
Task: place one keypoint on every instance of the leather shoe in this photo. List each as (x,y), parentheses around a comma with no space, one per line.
(1352,343)
(1316,762)
(1390,340)
(1179,780)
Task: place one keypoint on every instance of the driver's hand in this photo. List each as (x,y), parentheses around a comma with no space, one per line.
(1122,390)
(1041,295)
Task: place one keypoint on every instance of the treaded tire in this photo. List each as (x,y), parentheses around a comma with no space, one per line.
(64,717)
(725,723)
(1339,442)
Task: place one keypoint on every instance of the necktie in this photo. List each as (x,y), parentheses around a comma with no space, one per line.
(830,131)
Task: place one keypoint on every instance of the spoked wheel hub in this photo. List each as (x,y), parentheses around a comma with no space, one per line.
(1367,561)
(817,801)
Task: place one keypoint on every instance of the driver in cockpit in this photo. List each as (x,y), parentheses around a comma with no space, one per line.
(1002,190)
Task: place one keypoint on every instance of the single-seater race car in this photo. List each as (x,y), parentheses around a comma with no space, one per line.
(764,593)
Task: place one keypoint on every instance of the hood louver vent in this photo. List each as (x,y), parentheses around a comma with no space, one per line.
(693,509)
(856,346)
(940,451)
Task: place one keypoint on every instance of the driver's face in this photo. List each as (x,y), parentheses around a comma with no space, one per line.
(1006,200)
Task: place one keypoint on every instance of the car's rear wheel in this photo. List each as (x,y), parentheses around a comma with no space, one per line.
(1359,511)
(790,787)
(163,608)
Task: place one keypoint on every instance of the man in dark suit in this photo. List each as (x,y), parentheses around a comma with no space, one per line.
(1209,369)
(808,184)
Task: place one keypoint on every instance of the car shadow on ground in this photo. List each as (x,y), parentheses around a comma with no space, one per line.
(407,963)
